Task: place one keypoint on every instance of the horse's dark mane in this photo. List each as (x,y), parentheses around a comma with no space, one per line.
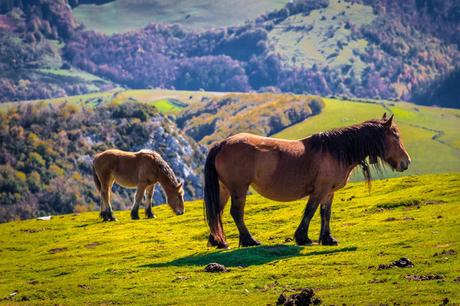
(352,144)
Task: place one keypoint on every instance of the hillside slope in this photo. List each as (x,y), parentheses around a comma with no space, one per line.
(48,147)
(76,259)
(430,134)
(369,49)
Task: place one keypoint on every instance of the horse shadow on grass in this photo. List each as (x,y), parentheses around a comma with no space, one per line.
(252,256)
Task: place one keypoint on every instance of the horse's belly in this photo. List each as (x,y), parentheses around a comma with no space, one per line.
(125,182)
(280,193)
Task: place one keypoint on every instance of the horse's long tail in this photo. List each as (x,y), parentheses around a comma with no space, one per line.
(97,182)
(212,196)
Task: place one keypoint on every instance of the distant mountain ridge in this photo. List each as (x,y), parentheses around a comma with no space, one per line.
(370,48)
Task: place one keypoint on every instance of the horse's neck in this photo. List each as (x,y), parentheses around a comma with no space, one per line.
(166,181)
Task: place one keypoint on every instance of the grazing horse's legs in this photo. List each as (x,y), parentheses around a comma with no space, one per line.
(325,236)
(237,212)
(106,206)
(224,195)
(139,196)
(148,206)
(301,234)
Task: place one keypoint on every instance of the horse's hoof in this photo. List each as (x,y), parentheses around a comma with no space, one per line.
(223,246)
(328,240)
(249,243)
(107,216)
(152,216)
(134,217)
(303,241)
(212,242)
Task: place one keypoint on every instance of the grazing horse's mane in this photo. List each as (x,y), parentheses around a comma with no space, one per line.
(166,171)
(352,144)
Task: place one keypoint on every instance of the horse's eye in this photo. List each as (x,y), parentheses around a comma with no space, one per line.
(396,135)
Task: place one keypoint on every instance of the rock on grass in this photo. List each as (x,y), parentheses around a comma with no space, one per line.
(403,262)
(215,267)
(305,297)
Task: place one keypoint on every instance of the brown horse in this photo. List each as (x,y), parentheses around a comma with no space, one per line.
(287,170)
(141,170)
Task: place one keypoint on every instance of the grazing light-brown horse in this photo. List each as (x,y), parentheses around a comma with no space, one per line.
(288,170)
(141,170)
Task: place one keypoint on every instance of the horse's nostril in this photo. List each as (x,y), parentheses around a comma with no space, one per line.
(404,165)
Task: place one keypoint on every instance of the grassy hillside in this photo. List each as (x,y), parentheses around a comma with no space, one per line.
(166,101)
(430,134)
(122,16)
(77,259)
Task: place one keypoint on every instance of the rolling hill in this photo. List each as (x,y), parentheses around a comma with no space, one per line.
(50,143)
(430,134)
(124,15)
(369,49)
(77,259)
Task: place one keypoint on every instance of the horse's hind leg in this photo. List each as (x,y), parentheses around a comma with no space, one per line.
(148,206)
(237,212)
(301,234)
(139,196)
(325,236)
(106,207)
(224,195)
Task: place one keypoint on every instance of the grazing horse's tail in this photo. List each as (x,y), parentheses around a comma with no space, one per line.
(212,196)
(96,180)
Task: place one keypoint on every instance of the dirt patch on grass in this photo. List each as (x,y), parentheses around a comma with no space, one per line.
(215,267)
(57,250)
(425,277)
(305,297)
(445,253)
(92,245)
(35,230)
(403,262)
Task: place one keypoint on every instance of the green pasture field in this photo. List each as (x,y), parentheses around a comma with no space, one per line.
(123,15)
(77,259)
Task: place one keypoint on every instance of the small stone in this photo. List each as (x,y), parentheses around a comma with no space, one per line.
(215,267)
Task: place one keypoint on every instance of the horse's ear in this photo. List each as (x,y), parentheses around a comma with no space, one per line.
(384,116)
(387,124)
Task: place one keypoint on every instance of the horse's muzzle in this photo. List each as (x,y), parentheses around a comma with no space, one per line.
(179,212)
(403,165)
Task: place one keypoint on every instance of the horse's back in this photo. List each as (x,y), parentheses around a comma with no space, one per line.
(127,168)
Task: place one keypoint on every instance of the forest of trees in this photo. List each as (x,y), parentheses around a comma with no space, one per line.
(412,44)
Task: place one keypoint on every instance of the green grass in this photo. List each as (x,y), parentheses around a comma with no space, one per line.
(309,47)
(72,73)
(168,106)
(418,124)
(77,259)
(122,15)
(167,101)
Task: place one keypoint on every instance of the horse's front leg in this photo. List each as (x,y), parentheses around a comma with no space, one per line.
(237,212)
(138,197)
(148,206)
(301,234)
(325,237)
